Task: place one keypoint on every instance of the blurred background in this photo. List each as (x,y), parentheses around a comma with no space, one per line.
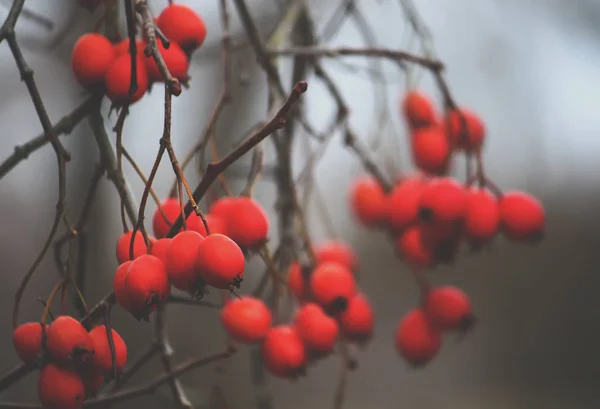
(530,68)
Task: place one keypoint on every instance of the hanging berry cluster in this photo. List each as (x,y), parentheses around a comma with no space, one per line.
(100,65)
(429,215)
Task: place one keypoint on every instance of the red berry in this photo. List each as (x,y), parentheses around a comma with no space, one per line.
(220,261)
(418,109)
(159,249)
(482,218)
(27,339)
(215,224)
(246,319)
(102,357)
(92,380)
(124,243)
(522,216)
(161,223)
(296,282)
(68,341)
(183,26)
(468,135)
(92,56)
(222,206)
(147,284)
(118,79)
(417,340)
(358,320)
(119,288)
(449,308)
(369,202)
(404,202)
(122,48)
(283,352)
(181,260)
(334,251)
(415,247)
(175,60)
(443,202)
(318,331)
(431,149)
(247,222)
(332,285)
(60,388)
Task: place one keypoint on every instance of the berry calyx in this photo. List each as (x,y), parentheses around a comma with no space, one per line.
(247,222)
(60,388)
(183,26)
(147,285)
(431,149)
(369,202)
(162,221)
(358,321)
(417,340)
(522,216)
(68,341)
(118,78)
(318,331)
(449,308)
(92,56)
(335,251)
(246,320)
(102,358)
(418,109)
(181,259)
(123,246)
(466,129)
(332,285)
(220,262)
(27,340)
(283,352)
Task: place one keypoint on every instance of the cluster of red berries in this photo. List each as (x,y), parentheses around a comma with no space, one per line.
(99,64)
(76,363)
(331,305)
(192,259)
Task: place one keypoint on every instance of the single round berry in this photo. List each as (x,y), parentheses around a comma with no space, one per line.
(102,358)
(418,109)
(335,251)
(121,293)
(124,243)
(415,247)
(318,331)
(122,47)
(147,284)
(162,221)
(247,222)
(332,285)
(417,340)
(68,341)
(369,202)
(522,216)
(183,26)
(175,60)
(404,202)
(466,129)
(482,218)
(60,388)
(283,352)
(221,207)
(444,201)
(159,249)
(27,339)
(220,261)
(358,320)
(181,259)
(431,149)
(118,79)
(92,56)
(297,282)
(449,308)
(246,320)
